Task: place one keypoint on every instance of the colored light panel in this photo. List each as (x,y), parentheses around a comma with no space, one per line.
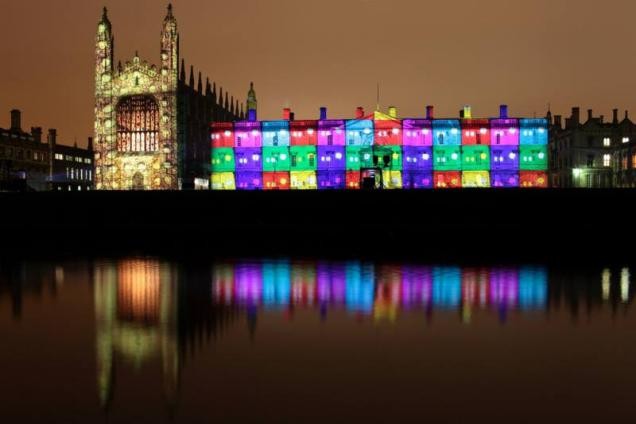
(447,179)
(276,159)
(331,133)
(222,134)
(359,132)
(303,180)
(447,158)
(417,158)
(304,133)
(248,159)
(223,181)
(303,158)
(331,179)
(248,134)
(417,179)
(275,133)
(475,132)
(331,158)
(476,179)
(533,179)
(504,158)
(223,159)
(475,158)
(504,132)
(504,179)
(533,158)
(417,132)
(447,132)
(533,131)
(249,180)
(276,180)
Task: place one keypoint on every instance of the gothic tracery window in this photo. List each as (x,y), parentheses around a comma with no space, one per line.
(138,124)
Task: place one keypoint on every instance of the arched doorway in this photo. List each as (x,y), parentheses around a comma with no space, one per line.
(138,181)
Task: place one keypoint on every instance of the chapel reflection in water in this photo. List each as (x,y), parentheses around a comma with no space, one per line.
(149,310)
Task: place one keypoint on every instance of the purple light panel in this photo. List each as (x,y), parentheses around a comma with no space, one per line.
(249,180)
(417,132)
(332,158)
(331,133)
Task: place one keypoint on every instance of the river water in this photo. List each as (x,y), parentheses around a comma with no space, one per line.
(149,340)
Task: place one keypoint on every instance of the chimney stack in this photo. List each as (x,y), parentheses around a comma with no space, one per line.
(359,112)
(461,113)
(615,114)
(36,132)
(16,120)
(393,112)
(323,113)
(503,112)
(589,114)
(286,114)
(52,139)
(292,116)
(576,115)
(90,143)
(430,112)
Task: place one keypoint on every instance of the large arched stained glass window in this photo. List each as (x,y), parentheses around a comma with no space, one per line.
(138,124)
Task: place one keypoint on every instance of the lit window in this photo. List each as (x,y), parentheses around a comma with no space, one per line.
(625,139)
(607,159)
(607,142)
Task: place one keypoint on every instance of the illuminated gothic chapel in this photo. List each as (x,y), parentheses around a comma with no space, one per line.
(151,126)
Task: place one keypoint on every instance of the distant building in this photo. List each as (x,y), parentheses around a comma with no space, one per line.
(72,167)
(151,125)
(27,163)
(592,154)
(24,158)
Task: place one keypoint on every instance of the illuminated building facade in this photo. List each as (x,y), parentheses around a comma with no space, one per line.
(597,153)
(380,151)
(150,124)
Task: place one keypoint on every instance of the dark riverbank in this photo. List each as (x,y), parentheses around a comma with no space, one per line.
(548,226)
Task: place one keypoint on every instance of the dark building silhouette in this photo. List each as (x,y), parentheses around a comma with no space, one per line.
(152,123)
(595,153)
(29,163)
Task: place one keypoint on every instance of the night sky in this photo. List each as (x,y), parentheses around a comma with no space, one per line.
(307,53)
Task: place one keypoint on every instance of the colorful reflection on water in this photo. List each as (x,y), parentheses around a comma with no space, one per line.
(378,290)
(124,339)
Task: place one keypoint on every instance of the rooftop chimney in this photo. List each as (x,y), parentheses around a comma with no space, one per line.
(323,113)
(589,114)
(36,132)
(251,115)
(359,112)
(52,139)
(90,143)
(615,113)
(286,114)
(16,120)
(461,113)
(576,115)
(503,112)
(430,112)
(393,112)
(292,116)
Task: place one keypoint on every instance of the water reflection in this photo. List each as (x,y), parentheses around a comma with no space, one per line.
(152,311)
(381,291)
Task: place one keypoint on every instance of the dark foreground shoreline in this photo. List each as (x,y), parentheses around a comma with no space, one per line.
(546,226)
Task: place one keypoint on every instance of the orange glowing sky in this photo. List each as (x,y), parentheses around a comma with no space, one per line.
(309,53)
